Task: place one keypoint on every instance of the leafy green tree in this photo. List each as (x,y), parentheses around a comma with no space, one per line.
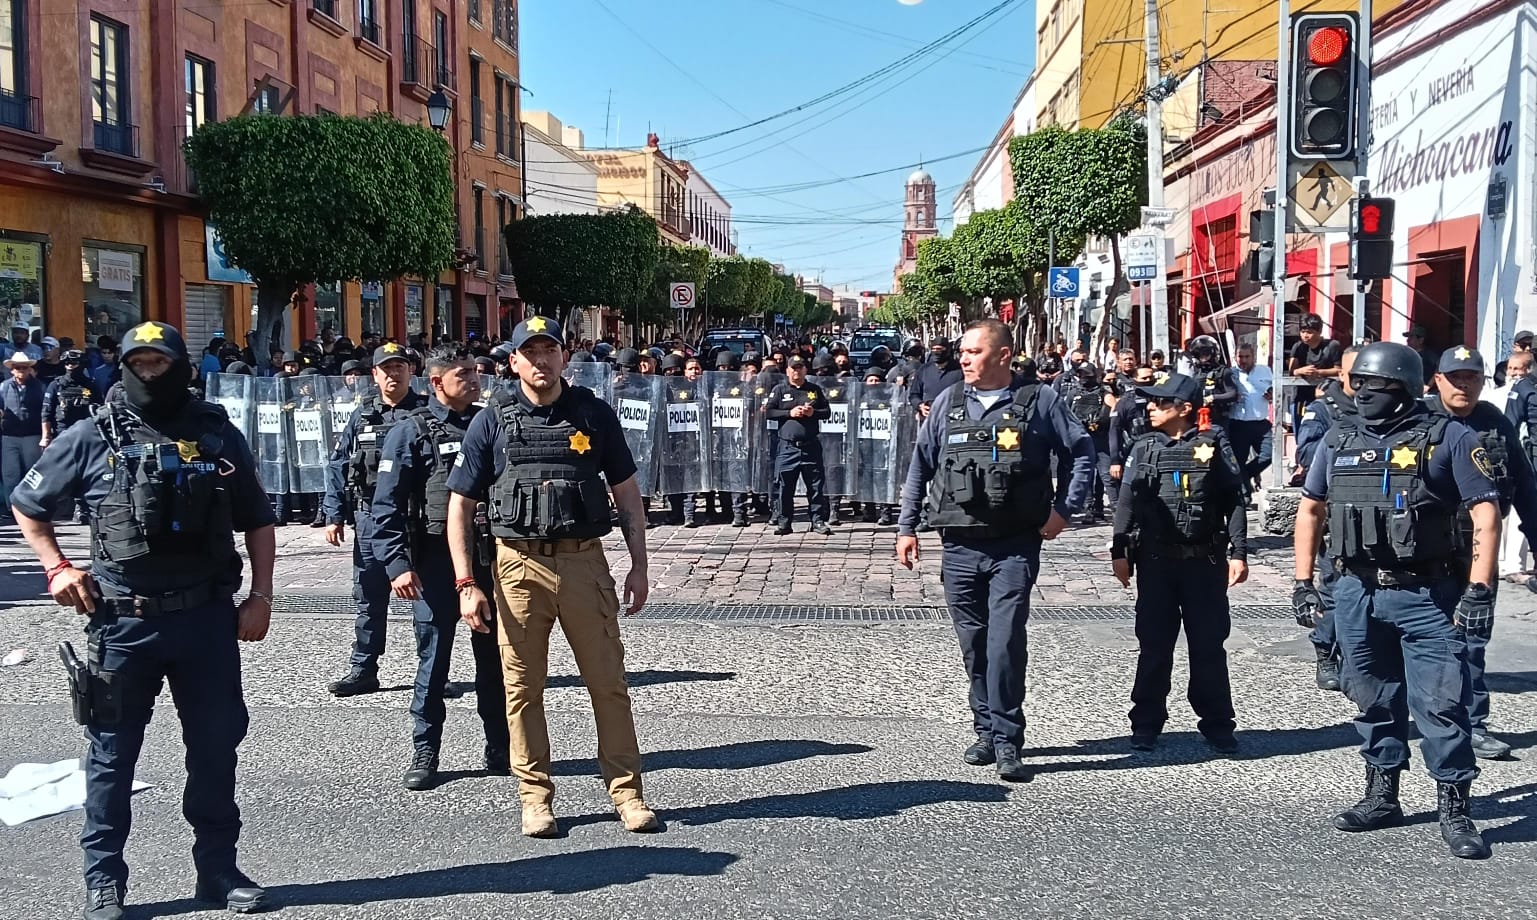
(567,261)
(300,199)
(680,264)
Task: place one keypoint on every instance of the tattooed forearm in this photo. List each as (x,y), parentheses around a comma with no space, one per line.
(1486,540)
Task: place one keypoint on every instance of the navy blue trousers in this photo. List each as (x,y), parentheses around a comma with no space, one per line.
(1191,593)
(1401,654)
(196,653)
(987,586)
(371,593)
(1323,626)
(800,460)
(435,618)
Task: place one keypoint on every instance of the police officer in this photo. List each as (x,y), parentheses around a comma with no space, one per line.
(1219,391)
(1089,403)
(798,405)
(875,454)
(940,374)
(1335,405)
(537,459)
(682,386)
(1455,392)
(169,481)
(1129,421)
(1181,523)
(984,461)
(410,514)
(350,480)
(726,362)
(1521,402)
(1389,489)
(69,398)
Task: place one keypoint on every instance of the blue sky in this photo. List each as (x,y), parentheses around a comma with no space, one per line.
(690,68)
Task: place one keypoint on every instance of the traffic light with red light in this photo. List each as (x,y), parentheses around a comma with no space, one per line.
(1324,92)
(1371,238)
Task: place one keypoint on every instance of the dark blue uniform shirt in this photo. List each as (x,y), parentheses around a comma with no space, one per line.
(406,462)
(23,408)
(482,461)
(1521,407)
(75,466)
(1519,487)
(931,380)
(1052,430)
(336,468)
(1451,472)
(786,396)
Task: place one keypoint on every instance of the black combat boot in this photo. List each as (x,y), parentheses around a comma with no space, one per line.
(423,771)
(358,680)
(1378,808)
(1457,829)
(1328,668)
(782,528)
(498,760)
(1010,769)
(884,520)
(104,903)
(981,753)
(233,889)
(739,519)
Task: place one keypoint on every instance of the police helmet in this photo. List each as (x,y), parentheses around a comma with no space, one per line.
(726,360)
(880,354)
(627,358)
(1203,347)
(752,359)
(1392,361)
(657,353)
(824,364)
(672,362)
(502,352)
(161,337)
(912,348)
(602,350)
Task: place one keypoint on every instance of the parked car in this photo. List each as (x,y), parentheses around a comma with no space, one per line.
(738,340)
(869,338)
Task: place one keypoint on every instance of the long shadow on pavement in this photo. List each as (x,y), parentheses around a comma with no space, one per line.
(1187,747)
(741,755)
(1511,681)
(457,688)
(858,802)
(560,873)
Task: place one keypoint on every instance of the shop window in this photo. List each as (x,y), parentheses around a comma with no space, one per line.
(21,283)
(329,313)
(443,314)
(414,297)
(114,289)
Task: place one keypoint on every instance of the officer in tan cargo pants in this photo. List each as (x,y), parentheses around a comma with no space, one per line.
(536,457)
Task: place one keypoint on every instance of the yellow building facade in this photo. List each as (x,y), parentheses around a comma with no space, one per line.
(648,179)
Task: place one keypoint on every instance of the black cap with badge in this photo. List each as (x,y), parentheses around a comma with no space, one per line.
(1461,358)
(535,327)
(1175,386)
(389,351)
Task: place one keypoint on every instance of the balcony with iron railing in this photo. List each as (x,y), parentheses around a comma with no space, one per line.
(18,112)
(417,64)
(368,30)
(477,120)
(120,139)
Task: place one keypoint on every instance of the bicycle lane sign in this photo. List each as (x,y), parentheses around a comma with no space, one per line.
(1063,283)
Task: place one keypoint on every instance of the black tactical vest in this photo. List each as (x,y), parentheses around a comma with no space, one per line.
(1174,501)
(73,403)
(1088,407)
(165,522)
(442,440)
(983,485)
(362,472)
(1140,423)
(551,488)
(1210,385)
(1381,512)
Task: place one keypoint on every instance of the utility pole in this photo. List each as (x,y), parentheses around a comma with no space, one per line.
(1363,141)
(1283,108)
(1160,282)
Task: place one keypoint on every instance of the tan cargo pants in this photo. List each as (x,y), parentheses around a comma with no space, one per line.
(537,584)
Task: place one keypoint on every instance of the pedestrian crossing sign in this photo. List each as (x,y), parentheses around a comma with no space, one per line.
(1320,192)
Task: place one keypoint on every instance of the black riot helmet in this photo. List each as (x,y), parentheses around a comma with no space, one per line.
(824,365)
(628,358)
(672,362)
(880,356)
(1391,361)
(1204,351)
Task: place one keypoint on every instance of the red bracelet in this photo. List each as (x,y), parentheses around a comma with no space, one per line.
(461,583)
(63,564)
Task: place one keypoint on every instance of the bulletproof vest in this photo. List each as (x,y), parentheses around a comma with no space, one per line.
(1381,511)
(167,511)
(983,484)
(1088,407)
(551,488)
(362,470)
(1174,501)
(429,508)
(1139,423)
(1210,384)
(73,403)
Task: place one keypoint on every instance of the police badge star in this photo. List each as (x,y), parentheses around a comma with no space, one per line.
(811,397)
(536,324)
(187,450)
(1203,453)
(832,393)
(1008,439)
(1463,354)
(1403,457)
(736,391)
(580,442)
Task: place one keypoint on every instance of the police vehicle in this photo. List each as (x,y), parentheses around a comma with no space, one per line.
(868,338)
(739,340)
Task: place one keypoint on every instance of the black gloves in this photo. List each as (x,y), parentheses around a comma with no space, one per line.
(1475,612)
(1307,605)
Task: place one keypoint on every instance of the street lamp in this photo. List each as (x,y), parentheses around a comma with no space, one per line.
(437,110)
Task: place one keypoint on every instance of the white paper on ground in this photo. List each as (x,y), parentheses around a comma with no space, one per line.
(37,790)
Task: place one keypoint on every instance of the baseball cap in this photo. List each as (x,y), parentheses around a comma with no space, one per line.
(1415,332)
(535,327)
(50,342)
(353,366)
(1461,358)
(796,361)
(160,337)
(1175,386)
(389,351)
(1524,334)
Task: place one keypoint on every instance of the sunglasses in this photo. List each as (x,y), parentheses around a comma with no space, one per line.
(1168,402)
(1377,384)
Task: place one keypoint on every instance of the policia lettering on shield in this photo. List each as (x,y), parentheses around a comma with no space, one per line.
(537,458)
(167,481)
(983,463)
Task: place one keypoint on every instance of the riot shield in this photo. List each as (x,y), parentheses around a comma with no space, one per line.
(876,419)
(765,434)
(271,446)
(597,376)
(236,393)
(639,405)
(729,458)
(682,432)
(834,435)
(344,401)
(307,406)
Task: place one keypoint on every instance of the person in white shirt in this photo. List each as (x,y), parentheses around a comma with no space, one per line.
(1249,425)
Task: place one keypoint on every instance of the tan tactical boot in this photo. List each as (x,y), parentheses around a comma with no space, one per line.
(637,817)
(538,821)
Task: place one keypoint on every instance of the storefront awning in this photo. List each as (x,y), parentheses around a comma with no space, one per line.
(1246,312)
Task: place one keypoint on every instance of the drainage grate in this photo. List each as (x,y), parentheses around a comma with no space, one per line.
(335,606)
